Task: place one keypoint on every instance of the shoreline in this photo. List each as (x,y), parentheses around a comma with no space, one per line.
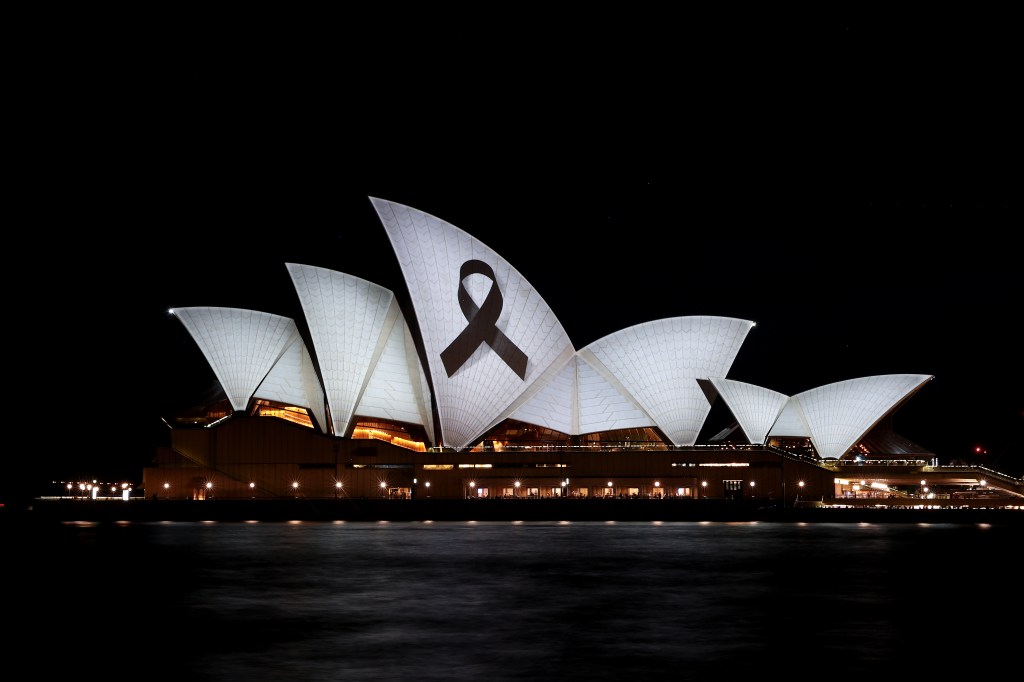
(422,510)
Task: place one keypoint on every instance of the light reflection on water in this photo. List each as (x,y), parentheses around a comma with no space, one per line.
(497,601)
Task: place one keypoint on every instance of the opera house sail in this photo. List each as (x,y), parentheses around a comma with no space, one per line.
(375,406)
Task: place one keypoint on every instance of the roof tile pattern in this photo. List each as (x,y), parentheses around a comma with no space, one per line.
(350,321)
(484,387)
(241,346)
(293,381)
(841,413)
(554,405)
(659,364)
(755,408)
(495,350)
(397,389)
(791,422)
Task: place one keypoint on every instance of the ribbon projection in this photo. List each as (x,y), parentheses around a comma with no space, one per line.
(481,327)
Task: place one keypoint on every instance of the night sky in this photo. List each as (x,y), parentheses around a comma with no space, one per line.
(843,185)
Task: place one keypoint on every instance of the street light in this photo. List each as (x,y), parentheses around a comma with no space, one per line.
(337,489)
(801,484)
(516,484)
(704,485)
(383,487)
(472,484)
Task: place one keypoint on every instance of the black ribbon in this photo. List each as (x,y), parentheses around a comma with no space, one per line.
(481,327)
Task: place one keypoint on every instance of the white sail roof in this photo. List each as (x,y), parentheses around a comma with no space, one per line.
(293,381)
(755,408)
(398,389)
(241,345)
(791,422)
(840,414)
(495,350)
(358,333)
(580,400)
(604,404)
(658,363)
(554,405)
(491,341)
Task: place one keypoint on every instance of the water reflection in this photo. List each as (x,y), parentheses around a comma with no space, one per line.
(504,601)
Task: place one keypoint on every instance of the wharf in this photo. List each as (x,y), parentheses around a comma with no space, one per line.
(546,509)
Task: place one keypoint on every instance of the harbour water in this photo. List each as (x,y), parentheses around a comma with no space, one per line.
(514,600)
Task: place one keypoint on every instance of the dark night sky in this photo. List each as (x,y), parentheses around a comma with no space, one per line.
(844,184)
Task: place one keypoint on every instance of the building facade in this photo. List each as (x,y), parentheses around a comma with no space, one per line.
(491,400)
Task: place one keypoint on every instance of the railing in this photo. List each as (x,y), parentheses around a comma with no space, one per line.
(607,446)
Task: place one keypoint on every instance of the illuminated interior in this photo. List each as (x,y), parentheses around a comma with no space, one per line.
(389,432)
(290,413)
(516,434)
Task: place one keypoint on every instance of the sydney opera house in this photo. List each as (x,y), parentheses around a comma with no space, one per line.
(478,392)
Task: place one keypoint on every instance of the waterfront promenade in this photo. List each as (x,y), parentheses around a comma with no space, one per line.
(545,509)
